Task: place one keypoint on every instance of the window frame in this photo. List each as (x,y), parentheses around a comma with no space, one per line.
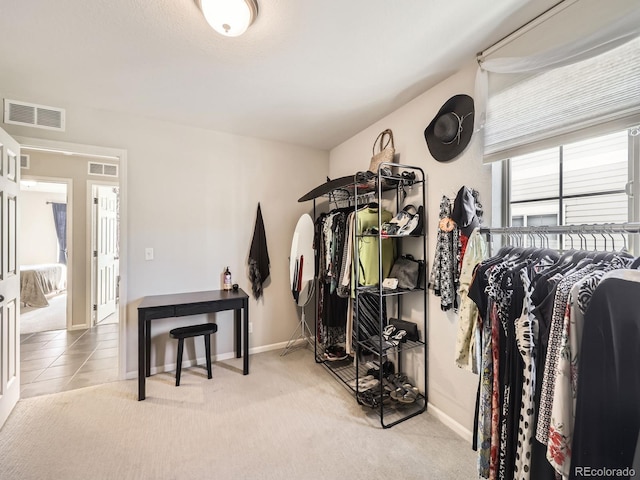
(501,172)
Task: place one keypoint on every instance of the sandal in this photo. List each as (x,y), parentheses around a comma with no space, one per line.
(413,226)
(410,395)
(397,379)
(373,399)
(400,221)
(407,393)
(398,337)
(388,331)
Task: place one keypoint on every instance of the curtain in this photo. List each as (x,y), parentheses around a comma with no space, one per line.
(501,129)
(60,220)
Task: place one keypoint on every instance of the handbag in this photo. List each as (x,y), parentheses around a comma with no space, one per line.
(407,270)
(409,327)
(386,150)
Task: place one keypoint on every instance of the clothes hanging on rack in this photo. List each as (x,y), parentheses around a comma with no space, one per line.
(335,234)
(466,341)
(527,301)
(607,419)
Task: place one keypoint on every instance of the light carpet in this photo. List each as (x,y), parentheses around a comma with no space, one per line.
(288,419)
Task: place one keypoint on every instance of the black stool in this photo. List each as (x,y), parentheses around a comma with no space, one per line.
(181,333)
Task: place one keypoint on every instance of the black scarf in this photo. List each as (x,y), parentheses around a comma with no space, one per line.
(258,257)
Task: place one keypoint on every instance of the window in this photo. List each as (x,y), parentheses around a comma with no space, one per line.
(584,182)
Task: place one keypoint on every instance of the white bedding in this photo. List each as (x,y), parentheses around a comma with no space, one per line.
(38,281)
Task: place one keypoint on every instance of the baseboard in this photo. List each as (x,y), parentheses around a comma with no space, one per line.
(171,367)
(451,423)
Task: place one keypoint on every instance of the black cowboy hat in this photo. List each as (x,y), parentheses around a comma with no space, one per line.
(450,131)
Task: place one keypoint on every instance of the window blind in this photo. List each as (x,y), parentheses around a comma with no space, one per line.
(564,104)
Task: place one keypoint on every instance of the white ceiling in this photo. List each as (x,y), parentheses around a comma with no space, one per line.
(308,72)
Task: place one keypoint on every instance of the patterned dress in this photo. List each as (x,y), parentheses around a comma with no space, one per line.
(445,273)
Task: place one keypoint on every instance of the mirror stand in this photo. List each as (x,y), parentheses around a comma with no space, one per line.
(302,331)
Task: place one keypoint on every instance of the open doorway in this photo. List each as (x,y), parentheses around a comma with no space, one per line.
(82,351)
(44,274)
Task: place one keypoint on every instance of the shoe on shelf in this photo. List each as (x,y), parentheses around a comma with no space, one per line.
(388,368)
(388,331)
(397,223)
(335,352)
(374,397)
(406,393)
(364,383)
(399,336)
(415,224)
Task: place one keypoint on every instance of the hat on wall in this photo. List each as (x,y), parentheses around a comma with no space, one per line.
(450,131)
(466,210)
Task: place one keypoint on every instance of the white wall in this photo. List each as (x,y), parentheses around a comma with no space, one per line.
(192,196)
(451,390)
(39,242)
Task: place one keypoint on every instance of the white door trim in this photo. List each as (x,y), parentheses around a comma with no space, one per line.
(121,156)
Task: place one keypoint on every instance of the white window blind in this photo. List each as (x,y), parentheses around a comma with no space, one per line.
(565,103)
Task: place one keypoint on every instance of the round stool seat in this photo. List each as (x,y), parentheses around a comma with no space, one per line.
(194,330)
(205,330)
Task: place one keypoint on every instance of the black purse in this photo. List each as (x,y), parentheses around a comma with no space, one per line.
(409,327)
(408,271)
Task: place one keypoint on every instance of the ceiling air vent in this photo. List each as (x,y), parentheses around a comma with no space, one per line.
(32,115)
(25,161)
(103,169)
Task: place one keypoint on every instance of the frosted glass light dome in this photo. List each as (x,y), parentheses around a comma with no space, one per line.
(229,17)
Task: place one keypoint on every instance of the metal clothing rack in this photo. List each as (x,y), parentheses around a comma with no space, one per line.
(605,230)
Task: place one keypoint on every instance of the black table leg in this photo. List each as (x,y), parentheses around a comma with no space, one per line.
(147,337)
(245,310)
(141,356)
(238,332)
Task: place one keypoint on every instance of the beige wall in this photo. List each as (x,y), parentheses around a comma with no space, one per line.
(451,389)
(37,230)
(192,195)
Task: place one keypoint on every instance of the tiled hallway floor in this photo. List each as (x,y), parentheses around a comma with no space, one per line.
(60,360)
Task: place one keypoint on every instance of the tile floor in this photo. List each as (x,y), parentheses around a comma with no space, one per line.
(60,360)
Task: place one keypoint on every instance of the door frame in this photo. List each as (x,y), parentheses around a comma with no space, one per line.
(119,155)
(69,183)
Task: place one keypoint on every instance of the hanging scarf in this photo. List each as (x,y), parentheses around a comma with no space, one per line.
(258,257)
(446,268)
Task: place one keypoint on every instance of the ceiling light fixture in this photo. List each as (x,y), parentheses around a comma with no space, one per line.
(229,17)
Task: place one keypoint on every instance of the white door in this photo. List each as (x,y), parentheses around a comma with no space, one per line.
(9,276)
(107,251)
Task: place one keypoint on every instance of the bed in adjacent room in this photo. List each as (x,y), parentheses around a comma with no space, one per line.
(39,281)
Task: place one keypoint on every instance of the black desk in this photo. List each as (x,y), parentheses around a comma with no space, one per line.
(183,304)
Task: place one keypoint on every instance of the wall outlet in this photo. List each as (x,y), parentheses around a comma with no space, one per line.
(148,253)
(250,327)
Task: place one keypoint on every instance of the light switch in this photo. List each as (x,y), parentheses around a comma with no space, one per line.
(148,253)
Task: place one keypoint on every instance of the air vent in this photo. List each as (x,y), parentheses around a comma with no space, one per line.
(103,169)
(32,115)
(25,161)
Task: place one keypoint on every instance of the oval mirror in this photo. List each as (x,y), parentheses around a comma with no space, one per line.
(301,261)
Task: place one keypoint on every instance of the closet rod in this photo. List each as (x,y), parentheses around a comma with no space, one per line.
(631,227)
